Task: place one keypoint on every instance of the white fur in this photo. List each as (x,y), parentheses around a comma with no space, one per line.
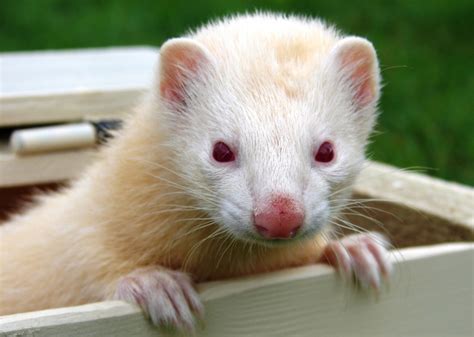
(273,88)
(362,256)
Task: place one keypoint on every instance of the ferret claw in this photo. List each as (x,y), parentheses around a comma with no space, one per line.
(167,297)
(363,256)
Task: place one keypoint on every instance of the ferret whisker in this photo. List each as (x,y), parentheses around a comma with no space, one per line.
(356,210)
(322,249)
(181,189)
(168,212)
(359,202)
(414,169)
(232,240)
(383,69)
(371,219)
(186,192)
(216,233)
(182,206)
(361,230)
(248,247)
(352,211)
(168,182)
(180,175)
(355,206)
(351,201)
(161,166)
(417,211)
(184,233)
(352,226)
(196,229)
(176,209)
(348,225)
(195,219)
(195,195)
(154,187)
(210,198)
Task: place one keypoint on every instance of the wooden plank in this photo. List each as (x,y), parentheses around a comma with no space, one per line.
(66,107)
(447,200)
(115,318)
(57,86)
(431,295)
(44,168)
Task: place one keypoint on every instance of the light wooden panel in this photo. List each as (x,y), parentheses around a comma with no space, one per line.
(447,200)
(431,295)
(43,168)
(57,86)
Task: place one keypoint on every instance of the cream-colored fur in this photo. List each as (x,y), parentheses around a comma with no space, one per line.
(146,200)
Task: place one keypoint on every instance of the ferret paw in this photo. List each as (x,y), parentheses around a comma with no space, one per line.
(363,256)
(167,297)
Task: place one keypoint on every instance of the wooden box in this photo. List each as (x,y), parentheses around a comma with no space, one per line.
(429,221)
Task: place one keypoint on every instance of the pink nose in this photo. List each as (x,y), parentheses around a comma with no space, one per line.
(281,219)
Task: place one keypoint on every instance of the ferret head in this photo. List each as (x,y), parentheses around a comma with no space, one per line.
(269,127)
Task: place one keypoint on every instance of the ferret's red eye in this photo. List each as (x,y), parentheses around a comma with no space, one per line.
(325,153)
(222,153)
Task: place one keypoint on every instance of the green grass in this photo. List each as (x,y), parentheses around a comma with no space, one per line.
(425,48)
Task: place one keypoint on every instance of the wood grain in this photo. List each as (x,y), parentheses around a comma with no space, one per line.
(431,294)
(59,86)
(447,200)
(43,168)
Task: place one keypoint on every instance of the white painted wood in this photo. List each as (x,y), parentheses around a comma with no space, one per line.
(451,201)
(431,295)
(57,86)
(45,168)
(98,319)
(66,107)
(57,71)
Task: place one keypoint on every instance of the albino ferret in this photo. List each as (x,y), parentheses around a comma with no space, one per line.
(237,162)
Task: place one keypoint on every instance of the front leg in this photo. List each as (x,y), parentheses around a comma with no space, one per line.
(166,296)
(363,256)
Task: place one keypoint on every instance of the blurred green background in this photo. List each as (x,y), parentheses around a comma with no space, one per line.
(426,53)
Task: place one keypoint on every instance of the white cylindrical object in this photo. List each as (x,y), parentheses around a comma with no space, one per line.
(53,138)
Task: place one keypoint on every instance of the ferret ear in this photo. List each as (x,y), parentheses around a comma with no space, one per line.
(181,60)
(357,62)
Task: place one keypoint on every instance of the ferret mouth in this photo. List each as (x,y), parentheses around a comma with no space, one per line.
(278,242)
